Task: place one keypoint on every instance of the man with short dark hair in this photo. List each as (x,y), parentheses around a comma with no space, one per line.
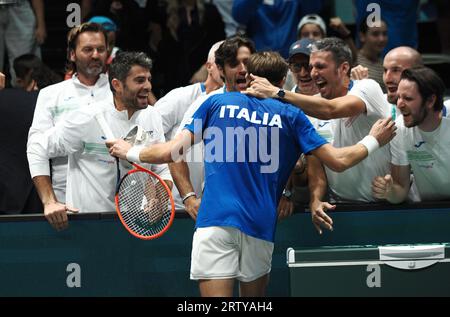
(86,54)
(422,144)
(395,62)
(230,59)
(91,175)
(236,222)
(345,113)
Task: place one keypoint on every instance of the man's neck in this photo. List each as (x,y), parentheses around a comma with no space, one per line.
(120,106)
(230,89)
(86,80)
(211,85)
(431,122)
(342,89)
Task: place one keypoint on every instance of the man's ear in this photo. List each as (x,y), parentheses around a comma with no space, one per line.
(32,86)
(221,72)
(282,82)
(117,85)
(72,55)
(345,67)
(430,102)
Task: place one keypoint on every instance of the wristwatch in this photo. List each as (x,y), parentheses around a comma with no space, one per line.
(287,193)
(281,93)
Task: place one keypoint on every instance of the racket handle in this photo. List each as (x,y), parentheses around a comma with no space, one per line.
(104,126)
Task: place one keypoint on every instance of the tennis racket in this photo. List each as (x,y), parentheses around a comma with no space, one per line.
(143,201)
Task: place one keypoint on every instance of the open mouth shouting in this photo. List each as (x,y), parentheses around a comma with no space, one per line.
(321,84)
(391,88)
(143,98)
(241,83)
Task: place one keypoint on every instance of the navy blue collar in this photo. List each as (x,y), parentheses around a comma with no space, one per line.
(350,85)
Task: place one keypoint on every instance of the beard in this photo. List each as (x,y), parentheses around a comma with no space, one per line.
(392,99)
(91,69)
(418,119)
(131,100)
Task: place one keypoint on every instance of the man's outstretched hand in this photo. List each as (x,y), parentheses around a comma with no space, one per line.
(383,130)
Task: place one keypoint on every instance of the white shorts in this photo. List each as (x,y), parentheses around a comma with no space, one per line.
(226,252)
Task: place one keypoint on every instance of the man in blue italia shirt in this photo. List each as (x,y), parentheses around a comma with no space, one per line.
(251,146)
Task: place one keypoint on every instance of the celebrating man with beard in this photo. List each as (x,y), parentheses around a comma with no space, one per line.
(86,54)
(421,145)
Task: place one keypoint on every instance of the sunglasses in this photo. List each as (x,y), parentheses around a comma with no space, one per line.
(296,67)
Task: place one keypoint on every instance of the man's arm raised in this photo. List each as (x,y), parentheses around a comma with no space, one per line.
(317,107)
(340,159)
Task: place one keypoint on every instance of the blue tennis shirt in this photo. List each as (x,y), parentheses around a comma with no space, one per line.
(251,147)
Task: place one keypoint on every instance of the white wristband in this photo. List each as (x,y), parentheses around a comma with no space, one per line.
(133,154)
(370,142)
(190,194)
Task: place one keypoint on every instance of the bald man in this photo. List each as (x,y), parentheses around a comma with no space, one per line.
(394,63)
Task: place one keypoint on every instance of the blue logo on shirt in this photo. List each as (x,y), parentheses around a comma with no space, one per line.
(418,145)
(321,125)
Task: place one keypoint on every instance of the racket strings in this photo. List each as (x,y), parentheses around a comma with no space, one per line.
(144,203)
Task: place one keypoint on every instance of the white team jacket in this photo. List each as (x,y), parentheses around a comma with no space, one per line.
(172,108)
(54,103)
(91,176)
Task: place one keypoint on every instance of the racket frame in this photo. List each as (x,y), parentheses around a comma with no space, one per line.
(138,168)
(110,136)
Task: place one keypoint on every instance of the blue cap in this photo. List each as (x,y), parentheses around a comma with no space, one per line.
(302,46)
(105,22)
